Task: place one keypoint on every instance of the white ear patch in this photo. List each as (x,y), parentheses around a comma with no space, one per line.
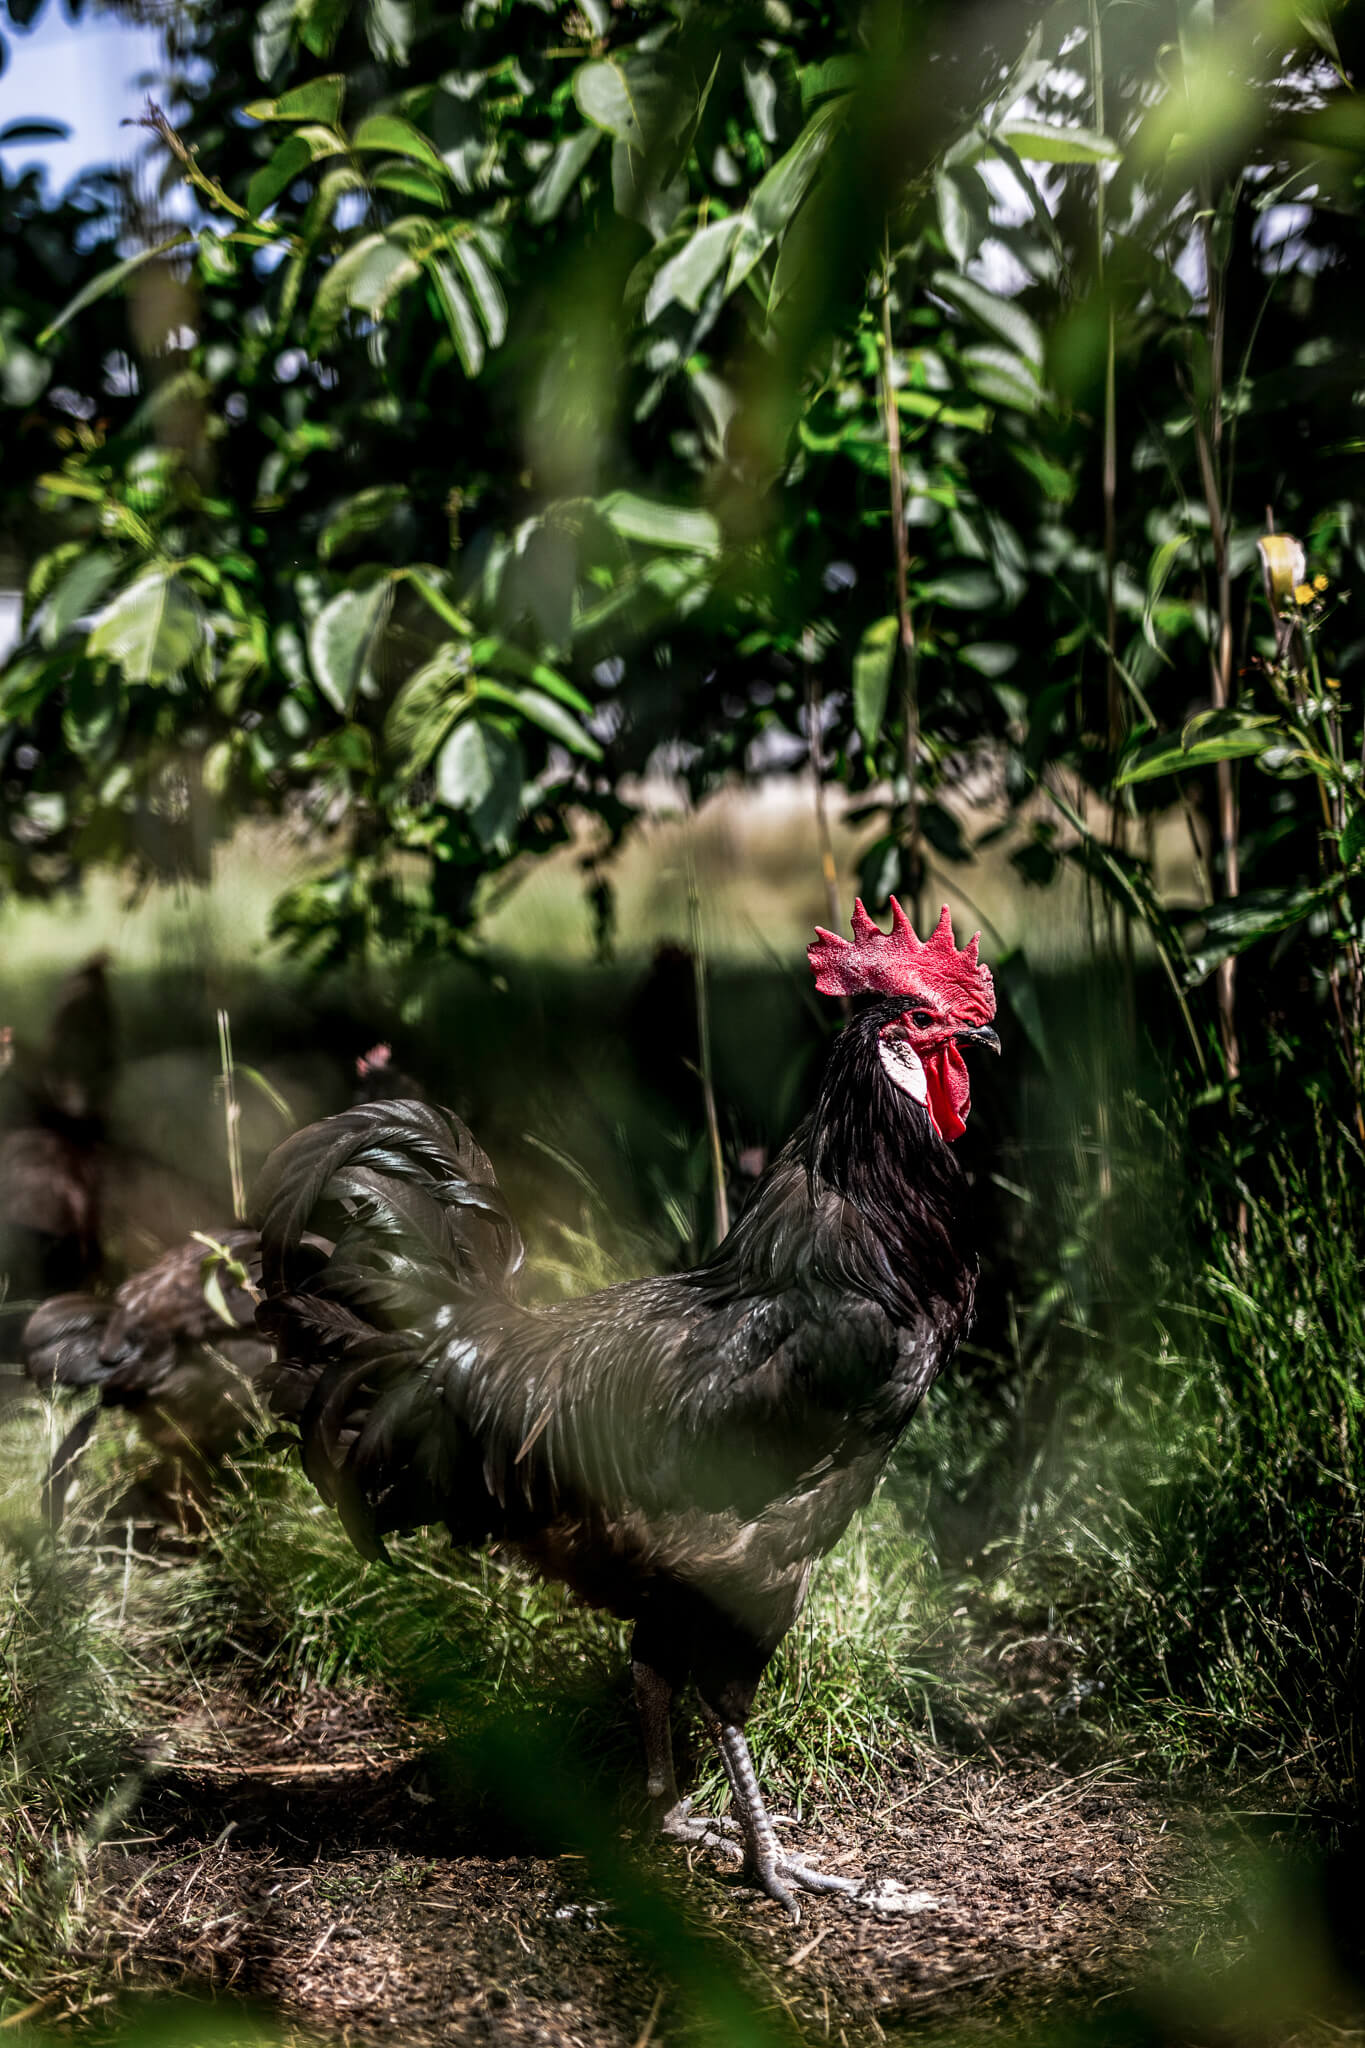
(904,1068)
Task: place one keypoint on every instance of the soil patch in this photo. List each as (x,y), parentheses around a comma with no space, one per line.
(303,1860)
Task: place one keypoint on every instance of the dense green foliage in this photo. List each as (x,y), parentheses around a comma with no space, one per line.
(514,405)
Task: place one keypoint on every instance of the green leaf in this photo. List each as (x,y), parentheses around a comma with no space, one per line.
(110,281)
(562,172)
(82,586)
(990,658)
(319,23)
(1233,925)
(603,96)
(1038,142)
(1158,574)
(363,514)
(411,181)
(964,589)
(389,29)
(427,705)
(872,668)
(1002,377)
(459,314)
(392,136)
(333,294)
(663,525)
(1211,736)
(1352,842)
(686,276)
(781,191)
(319,100)
(1002,316)
(290,161)
(480,771)
(485,288)
(963,211)
(543,711)
(342,641)
(151,629)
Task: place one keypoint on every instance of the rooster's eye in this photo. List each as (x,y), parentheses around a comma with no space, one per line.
(921,1019)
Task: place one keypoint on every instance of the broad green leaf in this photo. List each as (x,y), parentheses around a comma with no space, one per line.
(459,314)
(565,167)
(1002,377)
(1316,17)
(665,526)
(319,22)
(1039,142)
(410,180)
(427,706)
(392,136)
(319,100)
(964,589)
(333,294)
(781,191)
(294,156)
(82,586)
(360,515)
(686,276)
(389,29)
(110,281)
(480,771)
(544,712)
(1158,574)
(872,669)
(343,638)
(836,74)
(484,286)
(603,95)
(963,211)
(989,657)
(1238,922)
(503,654)
(1352,842)
(1002,316)
(1210,737)
(151,629)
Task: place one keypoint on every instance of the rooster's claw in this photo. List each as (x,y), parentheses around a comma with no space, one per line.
(775,1875)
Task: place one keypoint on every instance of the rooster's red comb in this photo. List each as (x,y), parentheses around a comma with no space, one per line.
(374,1061)
(897,963)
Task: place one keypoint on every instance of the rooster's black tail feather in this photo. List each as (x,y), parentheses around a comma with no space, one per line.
(409,1204)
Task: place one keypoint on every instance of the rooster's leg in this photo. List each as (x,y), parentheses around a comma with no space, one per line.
(674,1816)
(653,1698)
(770,1866)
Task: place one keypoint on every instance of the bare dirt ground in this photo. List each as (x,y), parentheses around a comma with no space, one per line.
(304,1863)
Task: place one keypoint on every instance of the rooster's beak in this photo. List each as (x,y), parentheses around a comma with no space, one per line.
(978,1034)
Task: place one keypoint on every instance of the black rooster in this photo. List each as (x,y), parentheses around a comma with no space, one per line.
(678,1450)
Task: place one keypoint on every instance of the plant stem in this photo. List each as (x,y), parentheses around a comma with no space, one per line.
(719,1202)
(912,868)
(828,868)
(232,1117)
(1208,445)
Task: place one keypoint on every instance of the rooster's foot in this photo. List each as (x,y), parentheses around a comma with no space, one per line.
(776,1873)
(702,1830)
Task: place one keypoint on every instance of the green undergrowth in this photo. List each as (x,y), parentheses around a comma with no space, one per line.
(1141,1538)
